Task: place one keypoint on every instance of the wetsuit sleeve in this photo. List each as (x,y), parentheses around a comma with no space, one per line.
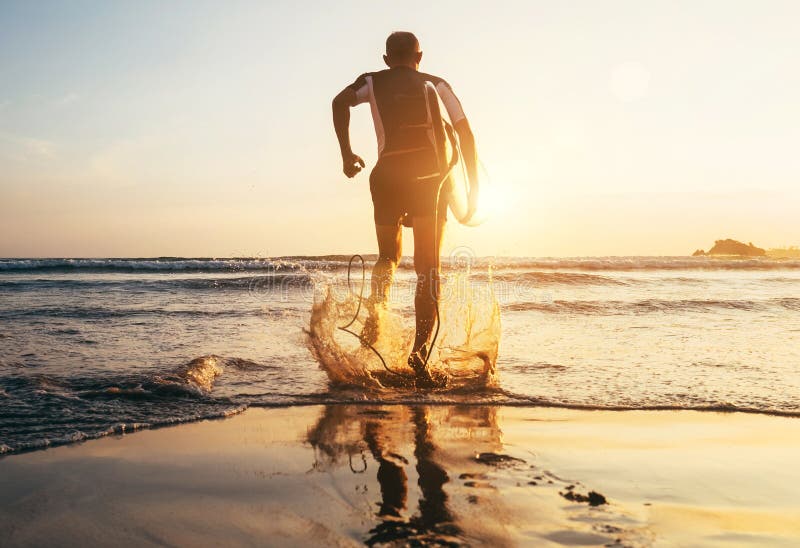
(450,101)
(361,88)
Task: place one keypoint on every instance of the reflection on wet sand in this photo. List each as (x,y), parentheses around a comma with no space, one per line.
(465,490)
(345,475)
(389,434)
(434,517)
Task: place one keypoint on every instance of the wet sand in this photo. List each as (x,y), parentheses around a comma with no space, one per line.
(345,475)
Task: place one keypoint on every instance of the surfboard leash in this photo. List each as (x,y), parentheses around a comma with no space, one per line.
(346,328)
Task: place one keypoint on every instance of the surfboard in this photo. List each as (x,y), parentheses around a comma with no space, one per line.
(461,194)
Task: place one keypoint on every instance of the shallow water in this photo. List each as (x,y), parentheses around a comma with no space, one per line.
(91,347)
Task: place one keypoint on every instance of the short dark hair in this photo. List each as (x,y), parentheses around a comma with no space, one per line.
(402,46)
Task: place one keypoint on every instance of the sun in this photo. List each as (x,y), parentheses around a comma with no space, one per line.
(493,200)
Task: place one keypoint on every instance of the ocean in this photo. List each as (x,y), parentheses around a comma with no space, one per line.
(97,347)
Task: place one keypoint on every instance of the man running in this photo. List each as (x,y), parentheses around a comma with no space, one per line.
(405,180)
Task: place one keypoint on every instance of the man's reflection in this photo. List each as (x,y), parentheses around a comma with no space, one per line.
(387,432)
(432,477)
(391,474)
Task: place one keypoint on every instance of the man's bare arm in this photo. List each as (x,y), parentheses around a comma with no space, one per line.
(351,163)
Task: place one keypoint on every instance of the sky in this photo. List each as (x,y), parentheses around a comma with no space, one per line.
(204,128)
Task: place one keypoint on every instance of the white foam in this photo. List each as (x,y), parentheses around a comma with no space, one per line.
(466,349)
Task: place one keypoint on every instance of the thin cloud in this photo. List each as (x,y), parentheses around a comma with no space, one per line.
(67,99)
(25,148)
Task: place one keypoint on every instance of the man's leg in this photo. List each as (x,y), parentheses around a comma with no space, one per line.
(427,245)
(390,245)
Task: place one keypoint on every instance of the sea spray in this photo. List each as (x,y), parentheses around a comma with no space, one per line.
(341,355)
(465,351)
(469,339)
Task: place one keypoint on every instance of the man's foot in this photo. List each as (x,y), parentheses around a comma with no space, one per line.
(422,375)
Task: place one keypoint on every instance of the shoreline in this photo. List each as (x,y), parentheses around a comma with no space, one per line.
(348,474)
(120,430)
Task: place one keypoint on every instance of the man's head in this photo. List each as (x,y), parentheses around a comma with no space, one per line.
(402,49)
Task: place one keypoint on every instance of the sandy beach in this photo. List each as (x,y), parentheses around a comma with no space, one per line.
(346,475)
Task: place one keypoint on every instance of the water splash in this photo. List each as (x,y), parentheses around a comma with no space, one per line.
(470,337)
(465,352)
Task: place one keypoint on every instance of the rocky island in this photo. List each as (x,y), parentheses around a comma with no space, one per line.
(732,247)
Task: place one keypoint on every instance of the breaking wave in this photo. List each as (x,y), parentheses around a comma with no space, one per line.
(646,263)
(42,411)
(608,307)
(257,282)
(327,262)
(550,278)
(172,264)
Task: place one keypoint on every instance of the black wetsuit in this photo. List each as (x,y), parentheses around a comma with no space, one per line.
(405,180)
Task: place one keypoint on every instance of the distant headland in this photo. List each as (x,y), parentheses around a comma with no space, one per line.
(732,247)
(739,249)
